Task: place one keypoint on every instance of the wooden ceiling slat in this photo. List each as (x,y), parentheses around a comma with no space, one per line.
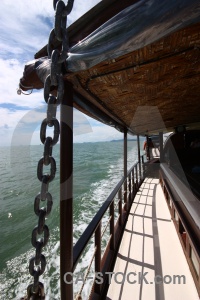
(165,74)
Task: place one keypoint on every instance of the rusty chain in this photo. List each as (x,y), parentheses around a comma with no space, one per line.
(37,264)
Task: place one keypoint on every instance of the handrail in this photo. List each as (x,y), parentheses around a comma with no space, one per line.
(184,193)
(82,242)
(188,210)
(176,192)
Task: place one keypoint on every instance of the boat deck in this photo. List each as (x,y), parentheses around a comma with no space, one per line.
(154,153)
(150,246)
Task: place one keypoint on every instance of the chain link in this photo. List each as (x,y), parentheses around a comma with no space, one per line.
(59,33)
(43,129)
(37,264)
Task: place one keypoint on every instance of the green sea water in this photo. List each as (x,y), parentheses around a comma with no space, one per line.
(98,167)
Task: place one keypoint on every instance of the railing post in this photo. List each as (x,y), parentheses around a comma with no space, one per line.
(120,206)
(125,167)
(129,189)
(97,287)
(139,159)
(161,146)
(136,173)
(142,166)
(148,148)
(112,226)
(133,181)
(66,192)
(125,152)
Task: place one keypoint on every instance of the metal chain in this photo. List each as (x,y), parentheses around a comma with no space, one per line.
(37,263)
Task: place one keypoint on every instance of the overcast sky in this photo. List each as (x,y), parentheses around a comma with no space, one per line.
(25,27)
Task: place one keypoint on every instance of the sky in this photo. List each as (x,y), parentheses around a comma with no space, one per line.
(25,27)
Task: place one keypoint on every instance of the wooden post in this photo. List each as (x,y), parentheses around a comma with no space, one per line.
(148,148)
(66,193)
(125,167)
(161,146)
(120,206)
(112,226)
(97,237)
(125,153)
(139,159)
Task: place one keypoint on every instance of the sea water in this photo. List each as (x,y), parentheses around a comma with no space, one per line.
(98,167)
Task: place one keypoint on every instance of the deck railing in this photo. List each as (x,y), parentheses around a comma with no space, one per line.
(186,224)
(117,206)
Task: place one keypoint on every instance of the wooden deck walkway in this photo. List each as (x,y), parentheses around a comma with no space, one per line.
(150,252)
(154,153)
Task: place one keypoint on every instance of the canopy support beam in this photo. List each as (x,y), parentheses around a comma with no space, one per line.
(125,168)
(66,193)
(139,158)
(161,147)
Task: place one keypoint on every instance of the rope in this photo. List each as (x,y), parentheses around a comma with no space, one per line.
(19,90)
(78,296)
(107,223)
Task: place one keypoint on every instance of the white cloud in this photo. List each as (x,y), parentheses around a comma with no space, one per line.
(17,127)
(11,71)
(26,24)
(25,27)
(22,26)
(8,121)
(80,8)
(99,133)
(23,127)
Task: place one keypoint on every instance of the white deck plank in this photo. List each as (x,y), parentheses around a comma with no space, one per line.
(154,153)
(150,244)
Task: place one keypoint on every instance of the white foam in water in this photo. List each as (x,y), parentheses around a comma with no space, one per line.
(100,193)
(15,277)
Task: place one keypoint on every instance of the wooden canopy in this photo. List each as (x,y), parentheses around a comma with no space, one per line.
(154,88)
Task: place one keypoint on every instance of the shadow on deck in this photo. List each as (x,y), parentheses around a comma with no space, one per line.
(151,263)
